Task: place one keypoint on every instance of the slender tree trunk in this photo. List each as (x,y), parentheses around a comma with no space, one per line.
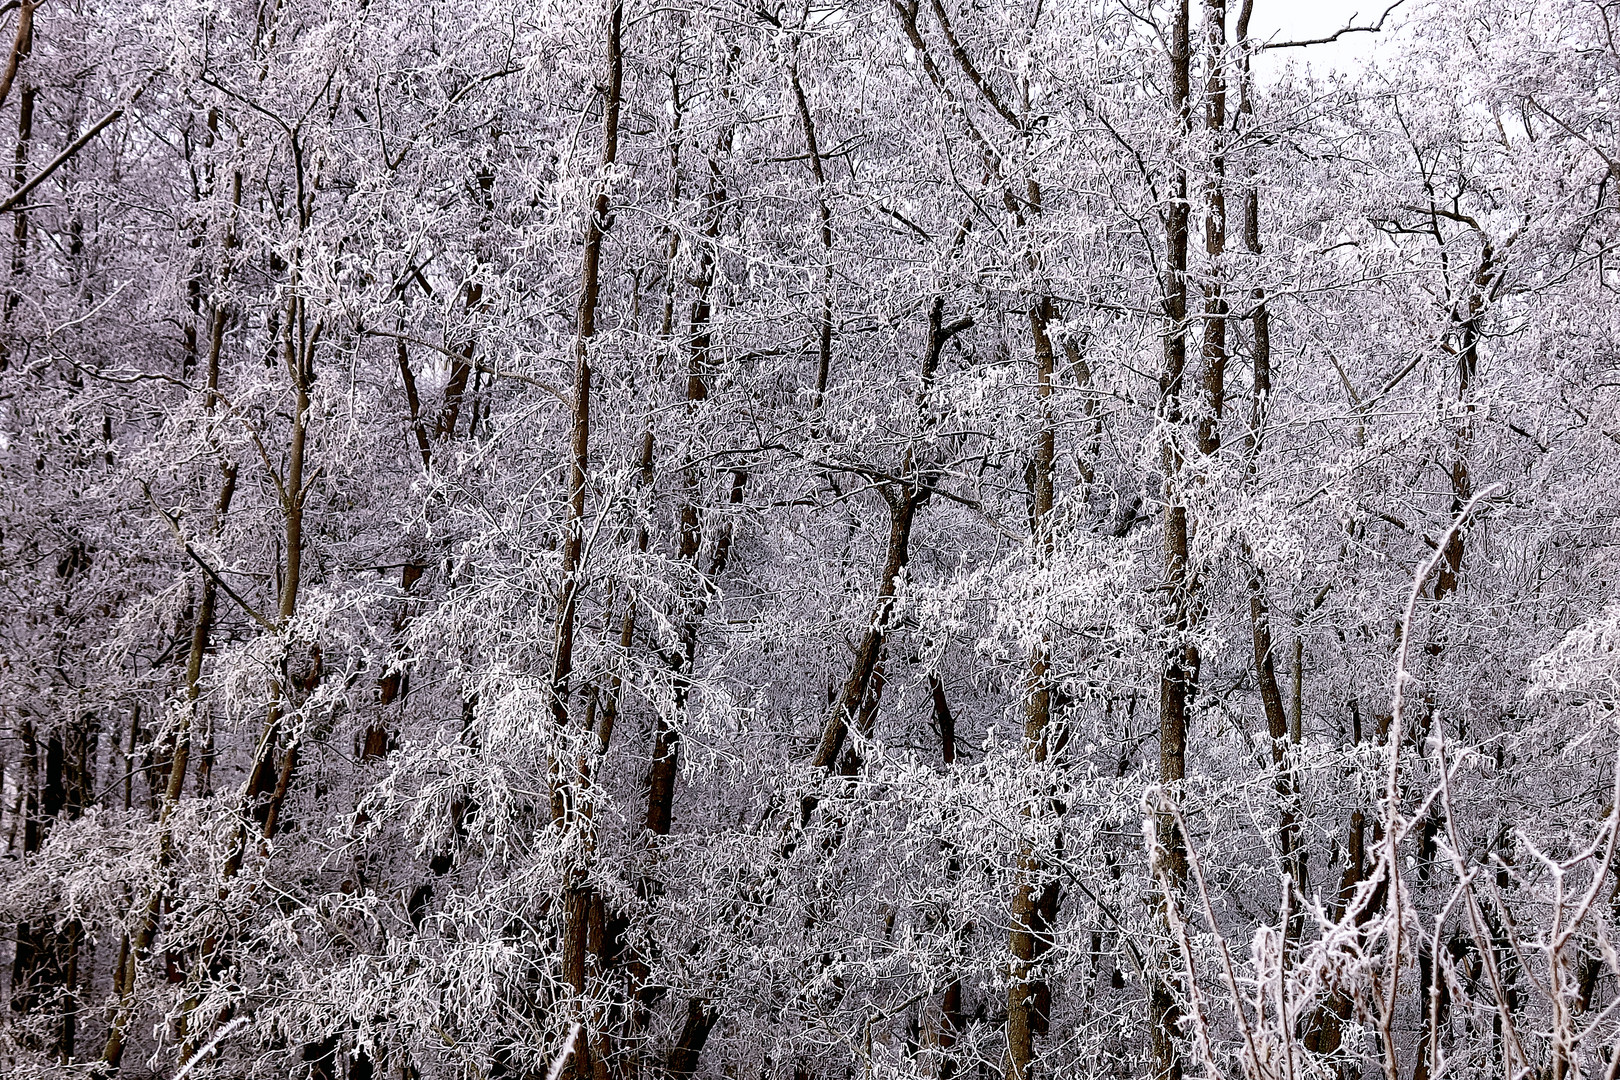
(666,748)
(300,363)
(1260,317)
(858,702)
(1467,326)
(824,322)
(1028,996)
(952,1020)
(21,48)
(140,940)
(688,1048)
(267,781)
(904,498)
(25,957)
(579,899)
(1433,993)
(660,781)
(1179,662)
(22,44)
(211,398)
(846,710)
(1260,623)
(1215,308)
(579,448)
(268,786)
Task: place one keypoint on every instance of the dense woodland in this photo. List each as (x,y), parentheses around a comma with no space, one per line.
(995,539)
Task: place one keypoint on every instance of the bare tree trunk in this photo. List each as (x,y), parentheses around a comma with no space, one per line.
(1028,997)
(666,748)
(25,960)
(579,901)
(1466,318)
(1278,732)
(952,1020)
(846,710)
(299,348)
(579,447)
(1467,326)
(216,346)
(1179,662)
(21,48)
(688,1049)
(904,497)
(824,327)
(140,940)
(1260,316)
(1260,624)
(661,773)
(1215,309)
(299,341)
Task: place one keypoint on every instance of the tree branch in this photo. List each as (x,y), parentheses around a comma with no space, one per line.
(16,198)
(1336,35)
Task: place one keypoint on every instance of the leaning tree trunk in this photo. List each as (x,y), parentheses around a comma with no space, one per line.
(140,940)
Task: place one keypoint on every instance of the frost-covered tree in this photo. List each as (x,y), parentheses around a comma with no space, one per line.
(915,539)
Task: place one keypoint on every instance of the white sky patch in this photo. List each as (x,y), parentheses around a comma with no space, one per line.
(1304,20)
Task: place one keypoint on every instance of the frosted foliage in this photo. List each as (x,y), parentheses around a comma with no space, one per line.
(912,540)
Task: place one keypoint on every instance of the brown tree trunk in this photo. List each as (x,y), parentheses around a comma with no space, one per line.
(211,398)
(299,348)
(1215,308)
(1027,995)
(139,940)
(952,1020)
(902,512)
(1467,328)
(25,957)
(19,171)
(1179,662)
(21,46)
(579,900)
(1260,623)
(1433,992)
(904,498)
(688,1048)
(824,328)
(1281,739)
(1260,317)
(665,762)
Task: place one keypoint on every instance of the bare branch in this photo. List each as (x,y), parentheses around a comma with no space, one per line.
(1337,34)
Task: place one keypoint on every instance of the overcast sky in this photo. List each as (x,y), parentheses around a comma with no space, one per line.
(1291,20)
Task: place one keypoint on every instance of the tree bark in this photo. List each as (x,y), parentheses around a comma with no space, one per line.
(579,899)
(19,171)
(952,1020)
(1215,308)
(1028,996)
(21,46)
(902,512)
(824,322)
(140,940)
(1174,683)
(666,748)
(904,497)
(579,447)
